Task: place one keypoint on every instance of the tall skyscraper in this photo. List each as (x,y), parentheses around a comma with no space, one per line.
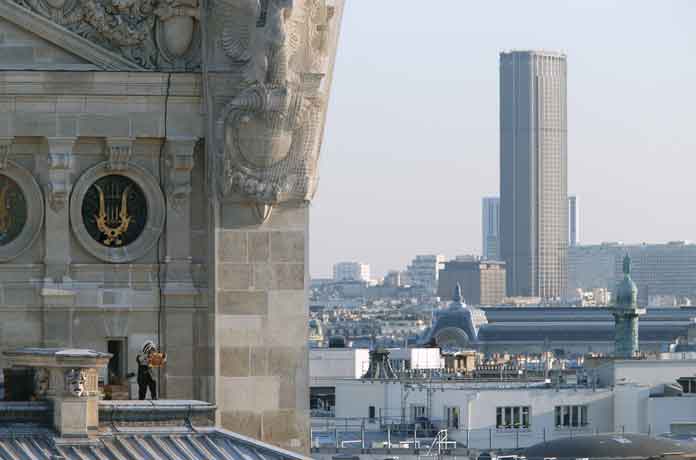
(490,210)
(573,221)
(534,172)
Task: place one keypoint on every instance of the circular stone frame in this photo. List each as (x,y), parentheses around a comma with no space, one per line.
(155,213)
(35,211)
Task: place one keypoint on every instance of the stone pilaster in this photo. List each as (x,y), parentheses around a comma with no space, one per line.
(58,297)
(58,186)
(179,294)
(261,323)
(269,96)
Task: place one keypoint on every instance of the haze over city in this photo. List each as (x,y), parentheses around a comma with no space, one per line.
(412,141)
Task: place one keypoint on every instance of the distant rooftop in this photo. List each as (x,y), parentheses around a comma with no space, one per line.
(537,52)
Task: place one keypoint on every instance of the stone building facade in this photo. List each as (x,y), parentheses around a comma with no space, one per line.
(482,281)
(157,160)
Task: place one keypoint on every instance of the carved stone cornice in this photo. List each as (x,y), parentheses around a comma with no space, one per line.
(118,152)
(267,136)
(5,150)
(54,33)
(60,165)
(179,162)
(151,34)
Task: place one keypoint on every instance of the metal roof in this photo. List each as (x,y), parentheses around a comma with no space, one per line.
(608,446)
(146,444)
(499,332)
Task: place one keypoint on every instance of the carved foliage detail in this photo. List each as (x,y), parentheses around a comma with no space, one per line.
(156,34)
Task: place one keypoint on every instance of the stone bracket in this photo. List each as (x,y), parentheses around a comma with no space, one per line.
(119,151)
(60,165)
(5,150)
(179,163)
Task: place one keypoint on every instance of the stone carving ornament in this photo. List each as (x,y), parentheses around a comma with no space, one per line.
(75,381)
(42,383)
(117,216)
(156,34)
(268,134)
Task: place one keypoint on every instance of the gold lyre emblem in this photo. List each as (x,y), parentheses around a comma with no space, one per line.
(113,221)
(5,208)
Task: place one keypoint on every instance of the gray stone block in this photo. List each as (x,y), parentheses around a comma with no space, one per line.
(287,246)
(259,246)
(235,361)
(288,276)
(243,302)
(234,276)
(98,125)
(233,246)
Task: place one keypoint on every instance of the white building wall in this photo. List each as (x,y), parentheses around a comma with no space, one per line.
(663,411)
(652,372)
(425,358)
(631,408)
(338,362)
(478,408)
(418,358)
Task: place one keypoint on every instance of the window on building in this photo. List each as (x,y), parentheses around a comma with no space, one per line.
(322,401)
(417,411)
(688,384)
(571,416)
(371,412)
(118,364)
(452,417)
(513,417)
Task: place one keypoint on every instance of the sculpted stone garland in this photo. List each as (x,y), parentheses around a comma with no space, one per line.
(156,34)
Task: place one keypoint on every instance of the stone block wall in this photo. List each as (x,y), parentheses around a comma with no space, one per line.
(261,324)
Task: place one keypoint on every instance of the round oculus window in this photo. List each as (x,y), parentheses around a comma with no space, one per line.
(13,210)
(114,211)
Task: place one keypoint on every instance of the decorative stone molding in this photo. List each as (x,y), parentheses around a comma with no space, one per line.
(54,33)
(34,211)
(154,34)
(42,383)
(268,134)
(60,164)
(155,214)
(5,150)
(75,381)
(119,151)
(72,387)
(179,163)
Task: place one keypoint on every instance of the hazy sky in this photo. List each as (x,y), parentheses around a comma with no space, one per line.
(411,140)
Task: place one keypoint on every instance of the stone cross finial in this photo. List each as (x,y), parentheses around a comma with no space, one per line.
(457,297)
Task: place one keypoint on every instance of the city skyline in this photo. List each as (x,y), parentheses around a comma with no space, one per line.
(412,181)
